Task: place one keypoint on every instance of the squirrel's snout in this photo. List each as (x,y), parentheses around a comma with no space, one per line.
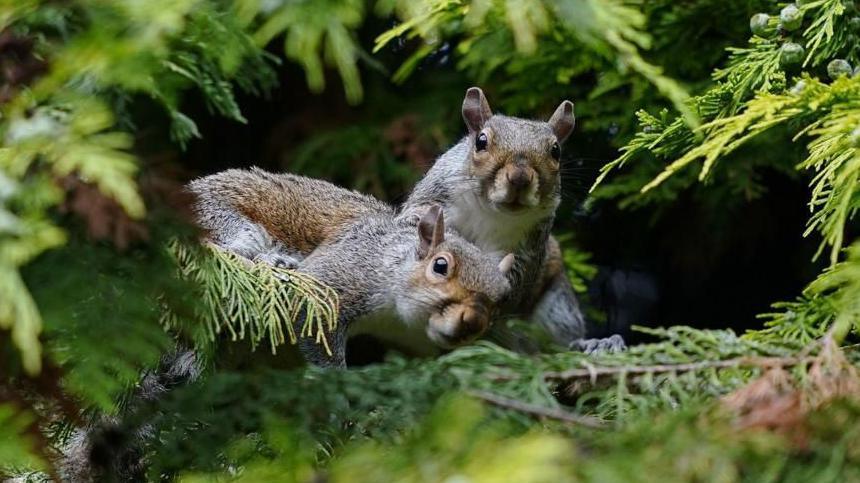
(460,323)
(515,186)
(519,178)
(473,320)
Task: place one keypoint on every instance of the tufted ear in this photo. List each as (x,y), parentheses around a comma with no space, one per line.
(476,110)
(431,230)
(562,121)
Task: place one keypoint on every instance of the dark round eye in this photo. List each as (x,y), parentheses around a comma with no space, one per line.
(481,142)
(555,152)
(440,266)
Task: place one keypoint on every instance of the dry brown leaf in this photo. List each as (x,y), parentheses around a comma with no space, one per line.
(773,402)
(104,218)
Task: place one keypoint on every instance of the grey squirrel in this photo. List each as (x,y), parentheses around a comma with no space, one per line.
(500,186)
(405,267)
(408,268)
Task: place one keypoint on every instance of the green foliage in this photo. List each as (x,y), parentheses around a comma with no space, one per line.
(239,296)
(831,152)
(579,270)
(396,421)
(18,448)
(496,35)
(313,31)
(104,308)
(84,317)
(751,98)
(63,124)
(458,440)
(371,166)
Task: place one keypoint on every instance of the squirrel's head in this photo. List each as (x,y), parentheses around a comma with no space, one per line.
(454,285)
(516,161)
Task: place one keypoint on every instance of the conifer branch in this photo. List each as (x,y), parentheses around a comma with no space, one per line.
(538,411)
(253,301)
(592,372)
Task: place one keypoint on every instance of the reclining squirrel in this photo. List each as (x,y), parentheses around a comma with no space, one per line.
(379,263)
(500,187)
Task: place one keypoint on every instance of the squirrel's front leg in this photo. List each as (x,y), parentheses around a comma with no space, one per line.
(251,240)
(558,312)
(278,257)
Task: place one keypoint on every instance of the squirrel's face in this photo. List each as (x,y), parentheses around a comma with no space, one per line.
(454,286)
(516,161)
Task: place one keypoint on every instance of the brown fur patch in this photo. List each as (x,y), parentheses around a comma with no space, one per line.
(553,265)
(300,212)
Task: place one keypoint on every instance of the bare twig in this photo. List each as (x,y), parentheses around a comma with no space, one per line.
(538,411)
(594,372)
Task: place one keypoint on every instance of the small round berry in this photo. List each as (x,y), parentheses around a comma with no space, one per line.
(798,88)
(838,68)
(791,54)
(758,24)
(790,17)
(854,137)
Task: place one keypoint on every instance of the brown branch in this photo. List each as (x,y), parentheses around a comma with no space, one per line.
(537,411)
(594,372)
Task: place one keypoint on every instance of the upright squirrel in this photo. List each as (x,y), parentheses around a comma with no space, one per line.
(380,264)
(500,187)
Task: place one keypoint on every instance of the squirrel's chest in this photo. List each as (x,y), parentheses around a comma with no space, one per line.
(489,229)
(388,327)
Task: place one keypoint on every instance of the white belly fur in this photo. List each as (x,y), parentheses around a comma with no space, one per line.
(487,228)
(389,328)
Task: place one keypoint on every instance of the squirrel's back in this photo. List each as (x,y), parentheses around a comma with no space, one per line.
(297,211)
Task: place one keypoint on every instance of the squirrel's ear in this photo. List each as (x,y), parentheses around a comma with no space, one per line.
(562,121)
(506,264)
(476,110)
(431,230)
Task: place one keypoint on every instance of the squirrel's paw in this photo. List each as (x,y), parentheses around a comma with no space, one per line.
(613,343)
(278,260)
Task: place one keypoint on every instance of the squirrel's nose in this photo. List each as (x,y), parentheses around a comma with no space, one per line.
(474,318)
(519,178)
(469,319)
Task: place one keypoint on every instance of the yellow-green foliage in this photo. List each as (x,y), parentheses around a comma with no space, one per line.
(256,302)
(85,319)
(610,28)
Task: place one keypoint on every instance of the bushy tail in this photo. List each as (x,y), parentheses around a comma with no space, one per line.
(113,448)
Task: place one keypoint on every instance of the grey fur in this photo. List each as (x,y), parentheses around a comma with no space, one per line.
(370,267)
(559,303)
(372,259)
(466,194)
(448,184)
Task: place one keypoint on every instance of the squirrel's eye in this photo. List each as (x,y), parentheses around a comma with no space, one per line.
(440,266)
(481,142)
(555,152)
